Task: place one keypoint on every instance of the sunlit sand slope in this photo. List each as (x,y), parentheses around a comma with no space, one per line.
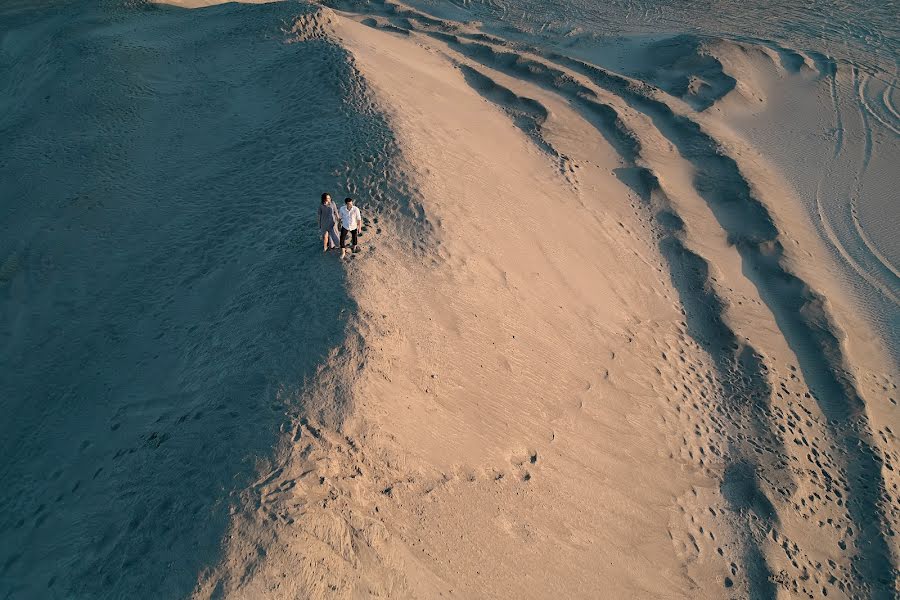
(592,353)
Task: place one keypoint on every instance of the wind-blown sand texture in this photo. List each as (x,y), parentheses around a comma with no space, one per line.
(624,323)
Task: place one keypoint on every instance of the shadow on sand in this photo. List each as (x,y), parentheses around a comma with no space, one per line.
(164,297)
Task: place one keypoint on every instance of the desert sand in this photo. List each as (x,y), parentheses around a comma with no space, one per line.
(623,323)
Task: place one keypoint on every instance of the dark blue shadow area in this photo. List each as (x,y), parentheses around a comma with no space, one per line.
(162,291)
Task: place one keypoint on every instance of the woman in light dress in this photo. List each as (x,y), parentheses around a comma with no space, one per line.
(328,223)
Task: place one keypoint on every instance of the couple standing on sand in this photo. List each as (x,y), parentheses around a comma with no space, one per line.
(349,219)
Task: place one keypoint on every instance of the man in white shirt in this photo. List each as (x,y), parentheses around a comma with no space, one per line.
(351,220)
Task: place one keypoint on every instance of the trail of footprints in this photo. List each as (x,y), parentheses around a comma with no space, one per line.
(707,431)
(327,489)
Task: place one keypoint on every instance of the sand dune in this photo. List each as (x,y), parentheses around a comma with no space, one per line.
(464,429)
(609,333)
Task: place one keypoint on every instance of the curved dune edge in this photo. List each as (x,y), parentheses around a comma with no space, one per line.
(561,380)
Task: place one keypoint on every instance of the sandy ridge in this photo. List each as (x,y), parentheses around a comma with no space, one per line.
(748,453)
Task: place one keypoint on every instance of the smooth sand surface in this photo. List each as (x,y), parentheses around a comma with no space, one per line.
(609,333)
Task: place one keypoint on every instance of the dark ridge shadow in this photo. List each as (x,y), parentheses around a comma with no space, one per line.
(527,114)
(386,26)
(602,117)
(741,490)
(685,69)
(825,65)
(170,297)
(744,395)
(500,95)
(740,487)
(790,60)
